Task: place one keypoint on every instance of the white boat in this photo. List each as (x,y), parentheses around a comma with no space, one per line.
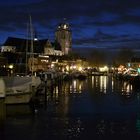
(20,89)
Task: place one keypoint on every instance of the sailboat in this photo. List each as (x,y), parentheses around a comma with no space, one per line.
(21,89)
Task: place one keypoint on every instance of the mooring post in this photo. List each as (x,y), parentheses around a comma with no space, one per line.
(45,100)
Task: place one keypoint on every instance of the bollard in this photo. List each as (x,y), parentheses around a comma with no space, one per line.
(45,100)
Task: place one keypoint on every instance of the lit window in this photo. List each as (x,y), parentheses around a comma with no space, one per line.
(65,26)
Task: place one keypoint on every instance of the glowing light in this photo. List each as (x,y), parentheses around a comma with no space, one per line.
(103,84)
(11,66)
(67,68)
(74,67)
(52,65)
(129,64)
(46,56)
(35,39)
(103,69)
(44,61)
(138,70)
(80,68)
(65,26)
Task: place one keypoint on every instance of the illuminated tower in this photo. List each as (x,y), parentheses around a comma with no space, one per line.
(63,36)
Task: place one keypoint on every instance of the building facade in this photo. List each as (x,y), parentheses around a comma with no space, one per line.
(52,49)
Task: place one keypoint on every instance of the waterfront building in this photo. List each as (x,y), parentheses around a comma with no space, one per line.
(18,51)
(22,45)
(52,49)
(45,54)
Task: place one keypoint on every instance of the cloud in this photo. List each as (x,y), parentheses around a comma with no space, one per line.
(84,16)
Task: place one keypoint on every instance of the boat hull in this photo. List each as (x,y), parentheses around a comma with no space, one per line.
(20,90)
(20,98)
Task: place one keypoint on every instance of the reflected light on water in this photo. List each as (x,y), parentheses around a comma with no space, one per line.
(76,86)
(80,116)
(127,89)
(56,89)
(112,83)
(93,78)
(100,82)
(66,105)
(103,84)
(74,128)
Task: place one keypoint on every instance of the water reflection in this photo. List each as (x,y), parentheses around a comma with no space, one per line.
(107,84)
(2,111)
(113,128)
(103,84)
(99,107)
(73,128)
(75,86)
(100,83)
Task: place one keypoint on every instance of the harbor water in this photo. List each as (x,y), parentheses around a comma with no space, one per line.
(97,108)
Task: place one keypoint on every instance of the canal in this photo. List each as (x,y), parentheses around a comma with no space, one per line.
(99,107)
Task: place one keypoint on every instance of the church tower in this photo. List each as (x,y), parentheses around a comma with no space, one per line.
(63,36)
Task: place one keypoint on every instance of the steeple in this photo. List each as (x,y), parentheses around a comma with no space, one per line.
(63,36)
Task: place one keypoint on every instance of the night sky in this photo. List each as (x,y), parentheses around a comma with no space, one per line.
(94,23)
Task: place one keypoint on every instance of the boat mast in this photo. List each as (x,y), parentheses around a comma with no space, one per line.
(32,50)
(26,62)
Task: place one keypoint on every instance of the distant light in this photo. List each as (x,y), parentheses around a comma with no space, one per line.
(138,70)
(129,64)
(35,39)
(46,56)
(44,61)
(67,68)
(103,69)
(65,26)
(74,67)
(11,66)
(52,65)
(80,68)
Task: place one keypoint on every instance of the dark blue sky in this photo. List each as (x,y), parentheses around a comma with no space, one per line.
(117,21)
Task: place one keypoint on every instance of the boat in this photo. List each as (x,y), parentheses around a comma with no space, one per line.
(79,75)
(21,89)
(96,72)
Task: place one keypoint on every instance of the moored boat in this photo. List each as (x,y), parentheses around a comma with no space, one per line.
(20,89)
